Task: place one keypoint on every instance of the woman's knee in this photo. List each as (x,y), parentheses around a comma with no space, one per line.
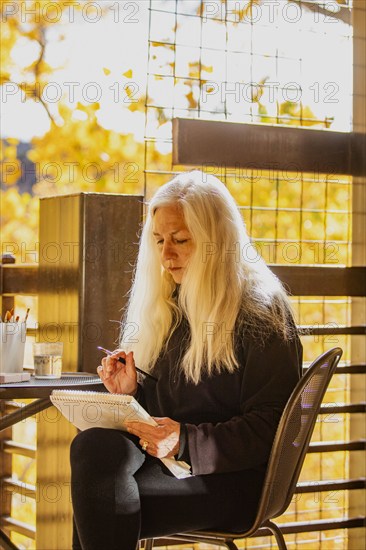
(88,444)
(97,446)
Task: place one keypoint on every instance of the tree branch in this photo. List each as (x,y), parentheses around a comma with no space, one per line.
(37,70)
(342,15)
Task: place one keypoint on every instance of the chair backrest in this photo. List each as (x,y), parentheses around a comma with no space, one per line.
(293,436)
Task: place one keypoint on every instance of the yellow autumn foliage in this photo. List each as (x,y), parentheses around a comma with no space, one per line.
(76,154)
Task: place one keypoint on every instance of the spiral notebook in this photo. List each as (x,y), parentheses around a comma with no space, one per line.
(89,409)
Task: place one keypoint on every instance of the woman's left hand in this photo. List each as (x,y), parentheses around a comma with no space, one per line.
(161,441)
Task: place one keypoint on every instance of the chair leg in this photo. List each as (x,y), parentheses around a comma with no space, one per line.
(230,544)
(5,542)
(278,534)
(149,544)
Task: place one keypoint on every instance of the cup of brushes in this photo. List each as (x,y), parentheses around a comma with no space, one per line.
(12,345)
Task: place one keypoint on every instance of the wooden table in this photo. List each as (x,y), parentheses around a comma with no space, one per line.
(40,390)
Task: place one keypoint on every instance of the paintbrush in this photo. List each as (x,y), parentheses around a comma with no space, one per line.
(7,317)
(26,315)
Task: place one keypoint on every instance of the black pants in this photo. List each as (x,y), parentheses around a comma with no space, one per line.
(121,495)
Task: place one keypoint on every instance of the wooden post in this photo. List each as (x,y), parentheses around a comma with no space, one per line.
(7,302)
(5,468)
(88,245)
(357,503)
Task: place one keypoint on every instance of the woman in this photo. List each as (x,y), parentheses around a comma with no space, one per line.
(216,331)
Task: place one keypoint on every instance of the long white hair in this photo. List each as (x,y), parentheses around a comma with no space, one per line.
(225,283)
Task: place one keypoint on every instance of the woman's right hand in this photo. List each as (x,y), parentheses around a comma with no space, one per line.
(117,377)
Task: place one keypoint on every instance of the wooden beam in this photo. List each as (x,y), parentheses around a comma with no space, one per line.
(212,144)
(334,446)
(357,388)
(351,369)
(322,281)
(350,408)
(19,279)
(299,280)
(331,485)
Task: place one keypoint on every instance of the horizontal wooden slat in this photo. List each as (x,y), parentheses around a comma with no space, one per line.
(286,528)
(322,281)
(351,369)
(329,329)
(334,446)
(321,525)
(351,408)
(211,144)
(19,279)
(333,485)
(359,368)
(15,448)
(18,526)
(15,486)
(299,280)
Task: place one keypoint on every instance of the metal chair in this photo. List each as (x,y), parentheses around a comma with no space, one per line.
(286,459)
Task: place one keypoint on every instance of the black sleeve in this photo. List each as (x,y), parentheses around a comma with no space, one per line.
(183,453)
(139,396)
(270,373)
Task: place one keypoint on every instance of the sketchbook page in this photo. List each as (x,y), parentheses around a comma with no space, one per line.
(100,410)
(86,409)
(179,468)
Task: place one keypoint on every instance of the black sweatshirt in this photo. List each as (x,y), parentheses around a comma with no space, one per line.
(228,420)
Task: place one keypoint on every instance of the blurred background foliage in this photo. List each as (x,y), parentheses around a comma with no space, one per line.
(77,153)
